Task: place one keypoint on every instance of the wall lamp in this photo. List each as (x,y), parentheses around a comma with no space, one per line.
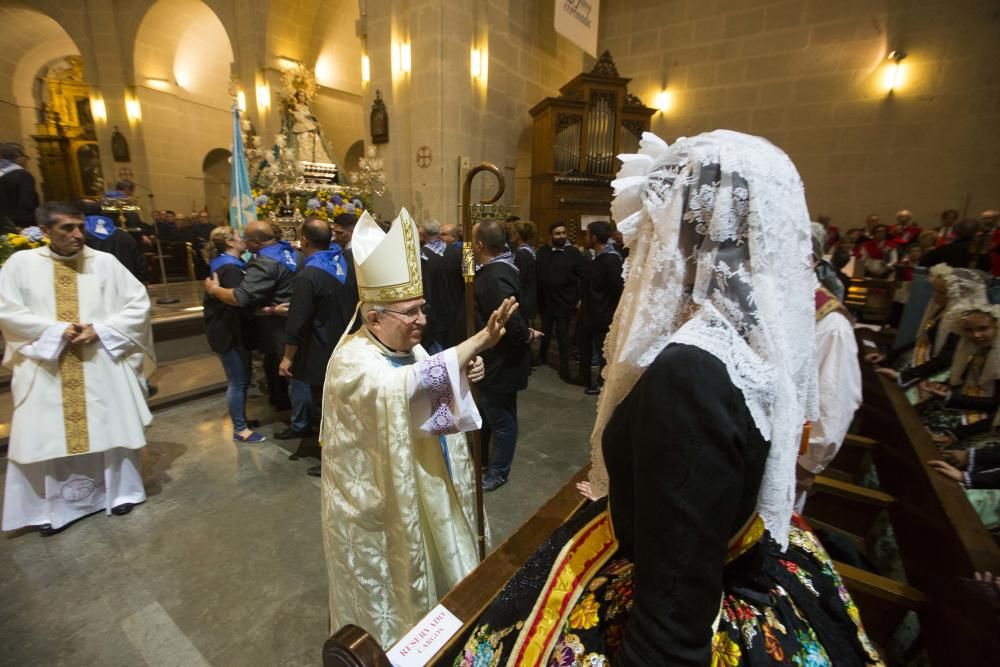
(894,74)
(479,64)
(133,109)
(97,108)
(663,101)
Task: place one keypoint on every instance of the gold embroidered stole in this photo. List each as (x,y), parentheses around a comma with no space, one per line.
(74,390)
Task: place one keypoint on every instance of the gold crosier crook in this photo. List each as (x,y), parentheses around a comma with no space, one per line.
(469,272)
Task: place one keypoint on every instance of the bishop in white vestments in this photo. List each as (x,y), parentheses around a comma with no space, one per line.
(71,317)
(398,509)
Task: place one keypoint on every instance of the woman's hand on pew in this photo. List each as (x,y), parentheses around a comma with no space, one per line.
(586,491)
(935,388)
(890,373)
(946,470)
(875,358)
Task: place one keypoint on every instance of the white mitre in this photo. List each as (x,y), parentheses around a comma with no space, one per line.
(387,264)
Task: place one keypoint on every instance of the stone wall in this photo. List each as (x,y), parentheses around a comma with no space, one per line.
(123,43)
(808,75)
(440,106)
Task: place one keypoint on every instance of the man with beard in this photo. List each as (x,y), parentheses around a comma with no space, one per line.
(559,266)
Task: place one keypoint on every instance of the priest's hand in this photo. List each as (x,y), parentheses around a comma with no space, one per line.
(494,330)
(476,370)
(71,332)
(85,335)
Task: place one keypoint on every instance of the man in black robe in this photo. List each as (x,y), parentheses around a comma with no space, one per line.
(601,288)
(101,233)
(18,199)
(509,362)
(267,283)
(559,265)
(324,295)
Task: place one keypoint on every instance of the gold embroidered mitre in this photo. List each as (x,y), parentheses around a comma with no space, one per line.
(387,264)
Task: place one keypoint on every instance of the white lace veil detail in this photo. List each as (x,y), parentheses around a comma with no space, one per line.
(965,287)
(966,349)
(720,257)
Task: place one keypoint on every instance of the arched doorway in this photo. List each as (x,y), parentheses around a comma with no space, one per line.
(218,176)
(182,61)
(41,52)
(353,155)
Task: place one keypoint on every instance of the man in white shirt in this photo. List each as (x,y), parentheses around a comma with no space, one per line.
(839,391)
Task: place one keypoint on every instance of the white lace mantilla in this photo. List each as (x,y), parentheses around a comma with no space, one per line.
(719,258)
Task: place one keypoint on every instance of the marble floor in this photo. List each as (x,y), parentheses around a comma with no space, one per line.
(223,565)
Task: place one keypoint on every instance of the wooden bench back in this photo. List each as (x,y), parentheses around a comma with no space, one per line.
(939,534)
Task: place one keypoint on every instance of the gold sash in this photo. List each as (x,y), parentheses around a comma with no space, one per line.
(74,389)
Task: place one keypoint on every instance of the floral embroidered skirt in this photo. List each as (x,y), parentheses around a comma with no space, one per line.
(795,611)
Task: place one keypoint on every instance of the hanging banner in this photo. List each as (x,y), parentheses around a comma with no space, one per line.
(576,20)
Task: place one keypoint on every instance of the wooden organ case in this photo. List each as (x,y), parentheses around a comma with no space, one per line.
(576,138)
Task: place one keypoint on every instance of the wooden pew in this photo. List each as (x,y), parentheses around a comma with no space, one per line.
(352,647)
(853,459)
(941,538)
(847,506)
(871,298)
(882,601)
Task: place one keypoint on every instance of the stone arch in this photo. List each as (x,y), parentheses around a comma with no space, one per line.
(351,157)
(322,35)
(69,17)
(186,44)
(218,176)
(33,41)
(131,24)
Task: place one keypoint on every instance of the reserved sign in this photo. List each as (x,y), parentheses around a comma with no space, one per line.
(426,638)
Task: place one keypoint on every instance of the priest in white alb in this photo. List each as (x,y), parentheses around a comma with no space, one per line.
(398,512)
(71,317)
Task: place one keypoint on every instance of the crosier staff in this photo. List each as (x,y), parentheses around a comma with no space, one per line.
(469,272)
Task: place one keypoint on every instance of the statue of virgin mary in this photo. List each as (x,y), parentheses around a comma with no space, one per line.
(304,133)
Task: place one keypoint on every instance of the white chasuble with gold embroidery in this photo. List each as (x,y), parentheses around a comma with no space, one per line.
(71,400)
(398,504)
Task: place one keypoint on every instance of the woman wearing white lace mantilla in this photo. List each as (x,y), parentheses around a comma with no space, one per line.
(711,375)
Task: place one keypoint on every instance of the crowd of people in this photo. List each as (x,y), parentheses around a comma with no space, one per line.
(891,252)
(361,331)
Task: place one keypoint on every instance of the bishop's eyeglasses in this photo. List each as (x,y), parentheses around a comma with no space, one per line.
(410,315)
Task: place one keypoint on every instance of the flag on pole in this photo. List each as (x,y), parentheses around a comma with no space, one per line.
(242,210)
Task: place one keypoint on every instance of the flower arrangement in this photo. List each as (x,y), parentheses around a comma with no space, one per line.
(328,206)
(29,238)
